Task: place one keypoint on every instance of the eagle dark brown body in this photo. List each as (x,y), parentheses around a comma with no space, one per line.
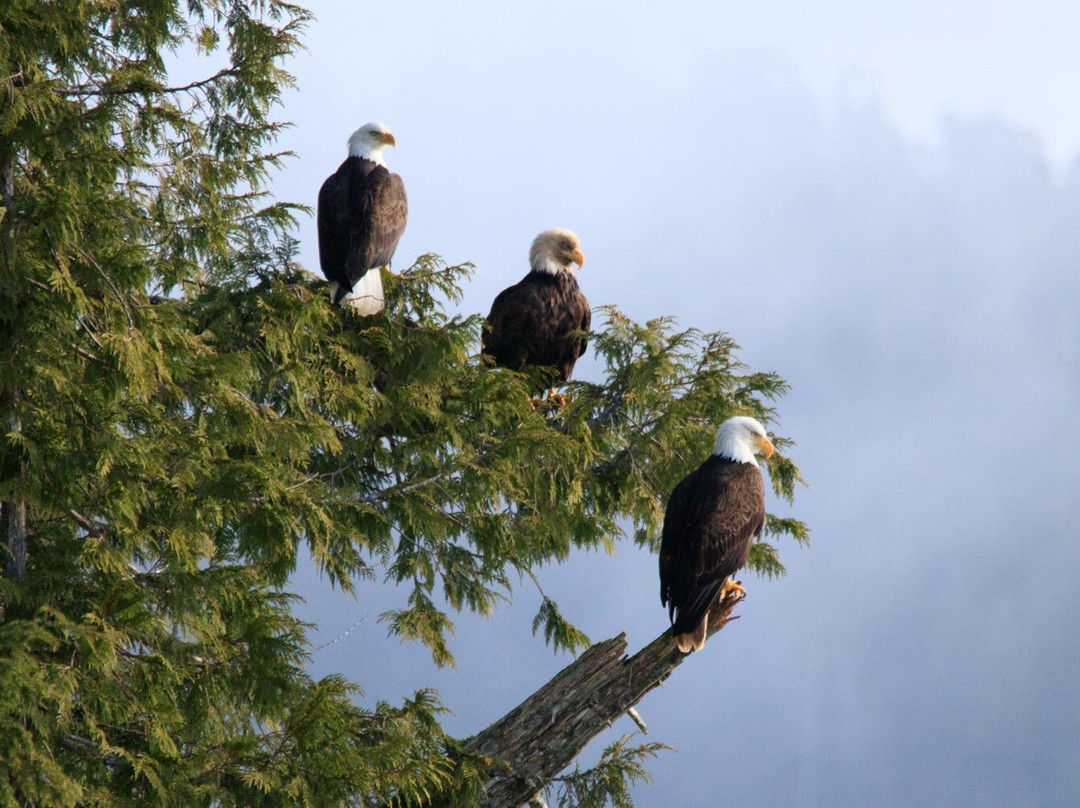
(362,215)
(534,322)
(713,516)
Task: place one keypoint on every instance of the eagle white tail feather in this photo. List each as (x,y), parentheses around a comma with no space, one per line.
(366,296)
(693,640)
(700,632)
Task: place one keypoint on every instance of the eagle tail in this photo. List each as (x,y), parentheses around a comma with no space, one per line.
(689,615)
(366,296)
(694,640)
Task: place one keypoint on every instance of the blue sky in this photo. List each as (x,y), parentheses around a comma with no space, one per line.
(879,202)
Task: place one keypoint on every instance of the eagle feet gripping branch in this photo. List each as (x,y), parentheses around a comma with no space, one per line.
(556,400)
(732,588)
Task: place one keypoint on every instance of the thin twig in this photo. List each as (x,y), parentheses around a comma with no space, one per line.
(82,92)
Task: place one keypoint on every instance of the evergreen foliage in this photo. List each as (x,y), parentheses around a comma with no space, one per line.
(608,782)
(184,410)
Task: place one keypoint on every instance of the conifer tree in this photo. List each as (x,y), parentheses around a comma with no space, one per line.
(184,411)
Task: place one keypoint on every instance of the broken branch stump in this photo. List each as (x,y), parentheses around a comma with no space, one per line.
(541,736)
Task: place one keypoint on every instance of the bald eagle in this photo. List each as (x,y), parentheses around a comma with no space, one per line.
(362,214)
(534,322)
(713,516)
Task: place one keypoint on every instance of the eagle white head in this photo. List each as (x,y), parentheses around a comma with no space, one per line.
(739,438)
(554,250)
(369,141)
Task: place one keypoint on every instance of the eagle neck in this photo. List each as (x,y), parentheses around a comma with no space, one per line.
(734,450)
(366,151)
(358,166)
(549,266)
(564,280)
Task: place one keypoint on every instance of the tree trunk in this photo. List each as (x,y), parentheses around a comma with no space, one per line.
(14,533)
(7,183)
(537,739)
(13,511)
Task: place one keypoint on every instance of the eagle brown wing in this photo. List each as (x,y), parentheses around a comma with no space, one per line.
(505,336)
(335,222)
(712,518)
(582,316)
(382,211)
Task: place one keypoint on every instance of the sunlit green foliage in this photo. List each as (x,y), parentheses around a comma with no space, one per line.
(608,782)
(184,412)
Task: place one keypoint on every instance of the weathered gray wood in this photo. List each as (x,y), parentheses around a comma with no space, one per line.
(537,739)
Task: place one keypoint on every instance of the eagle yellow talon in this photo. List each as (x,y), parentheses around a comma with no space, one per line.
(558,399)
(732,588)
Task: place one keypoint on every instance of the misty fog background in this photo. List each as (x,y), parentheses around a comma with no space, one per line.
(879,204)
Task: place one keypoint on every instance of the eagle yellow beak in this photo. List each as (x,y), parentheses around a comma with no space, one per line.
(765,445)
(388,139)
(579,258)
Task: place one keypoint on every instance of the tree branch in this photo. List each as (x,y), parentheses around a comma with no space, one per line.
(86,92)
(538,739)
(88,749)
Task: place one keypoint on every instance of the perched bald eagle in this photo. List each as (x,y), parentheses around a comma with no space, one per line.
(533,322)
(362,214)
(713,516)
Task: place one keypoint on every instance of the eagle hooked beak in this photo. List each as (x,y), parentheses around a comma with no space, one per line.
(388,138)
(579,258)
(765,445)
